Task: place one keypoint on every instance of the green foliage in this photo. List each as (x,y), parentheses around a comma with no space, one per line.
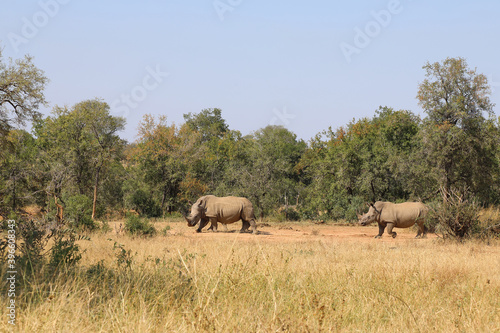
(21,93)
(158,162)
(79,150)
(367,160)
(76,162)
(208,122)
(45,247)
(144,204)
(65,252)
(124,258)
(265,172)
(139,227)
(31,244)
(79,212)
(459,144)
(18,170)
(457,216)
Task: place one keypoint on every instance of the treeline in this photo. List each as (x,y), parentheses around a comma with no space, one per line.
(74,165)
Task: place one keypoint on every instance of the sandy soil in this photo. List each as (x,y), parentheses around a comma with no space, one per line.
(296,232)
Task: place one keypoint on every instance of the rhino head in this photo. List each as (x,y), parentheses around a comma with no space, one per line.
(370,217)
(197,212)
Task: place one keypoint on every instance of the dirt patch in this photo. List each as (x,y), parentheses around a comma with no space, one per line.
(294,232)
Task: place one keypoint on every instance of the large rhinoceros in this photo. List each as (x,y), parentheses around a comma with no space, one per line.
(225,210)
(402,215)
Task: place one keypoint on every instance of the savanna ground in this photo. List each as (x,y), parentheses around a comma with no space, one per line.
(292,277)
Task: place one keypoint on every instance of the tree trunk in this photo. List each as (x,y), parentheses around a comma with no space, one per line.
(14,194)
(60,210)
(163,200)
(95,192)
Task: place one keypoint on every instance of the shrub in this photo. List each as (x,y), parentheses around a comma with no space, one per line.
(31,245)
(124,258)
(65,252)
(78,211)
(37,254)
(145,205)
(457,216)
(139,227)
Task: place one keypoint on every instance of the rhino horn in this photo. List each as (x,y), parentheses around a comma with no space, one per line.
(185,217)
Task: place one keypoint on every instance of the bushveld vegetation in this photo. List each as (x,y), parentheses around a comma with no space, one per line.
(74,167)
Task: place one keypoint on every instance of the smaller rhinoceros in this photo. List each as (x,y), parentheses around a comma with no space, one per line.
(225,210)
(402,215)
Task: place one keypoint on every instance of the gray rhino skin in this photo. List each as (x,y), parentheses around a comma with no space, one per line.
(402,215)
(225,210)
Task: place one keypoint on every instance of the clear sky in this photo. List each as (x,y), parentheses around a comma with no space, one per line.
(306,65)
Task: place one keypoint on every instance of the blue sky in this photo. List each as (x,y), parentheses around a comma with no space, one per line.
(306,65)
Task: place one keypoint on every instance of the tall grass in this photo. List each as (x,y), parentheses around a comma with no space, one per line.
(185,282)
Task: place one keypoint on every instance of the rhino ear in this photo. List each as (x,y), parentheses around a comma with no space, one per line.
(190,202)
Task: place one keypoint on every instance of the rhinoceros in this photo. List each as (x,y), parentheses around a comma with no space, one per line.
(402,215)
(225,210)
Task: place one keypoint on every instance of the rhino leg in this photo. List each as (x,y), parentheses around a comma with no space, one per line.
(381,228)
(224,226)
(244,226)
(422,230)
(203,223)
(254,226)
(389,230)
(213,224)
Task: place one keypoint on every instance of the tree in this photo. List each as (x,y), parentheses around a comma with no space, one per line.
(158,154)
(78,146)
(18,178)
(210,129)
(457,138)
(106,143)
(267,173)
(454,94)
(209,123)
(367,160)
(21,92)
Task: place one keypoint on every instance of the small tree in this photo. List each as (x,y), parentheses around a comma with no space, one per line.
(457,216)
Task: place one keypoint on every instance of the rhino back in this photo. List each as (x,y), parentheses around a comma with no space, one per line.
(226,209)
(404,214)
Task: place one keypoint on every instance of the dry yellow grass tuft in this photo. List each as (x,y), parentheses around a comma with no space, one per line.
(230,282)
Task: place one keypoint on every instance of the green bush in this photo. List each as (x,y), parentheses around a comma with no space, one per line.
(37,254)
(457,216)
(139,227)
(78,211)
(65,252)
(145,205)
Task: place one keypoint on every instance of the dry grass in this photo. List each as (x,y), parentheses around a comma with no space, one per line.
(243,283)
